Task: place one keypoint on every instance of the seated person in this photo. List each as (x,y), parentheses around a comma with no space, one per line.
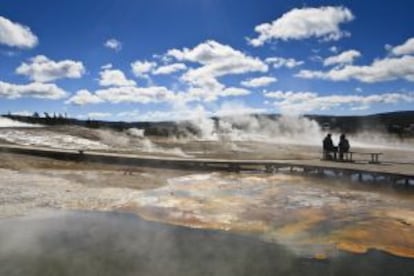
(343,146)
(328,147)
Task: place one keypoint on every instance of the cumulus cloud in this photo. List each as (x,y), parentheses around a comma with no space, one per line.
(216,60)
(152,94)
(123,94)
(259,82)
(404,49)
(386,69)
(143,95)
(203,94)
(169,69)
(33,90)
(142,68)
(278,62)
(16,35)
(346,57)
(43,69)
(323,22)
(114,77)
(113,44)
(83,97)
(302,102)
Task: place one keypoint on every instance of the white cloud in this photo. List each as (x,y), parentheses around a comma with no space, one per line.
(386,69)
(106,66)
(204,53)
(290,96)
(42,69)
(302,102)
(185,112)
(259,82)
(283,62)
(197,113)
(162,58)
(206,95)
(114,77)
(304,23)
(142,68)
(316,58)
(346,57)
(233,91)
(216,60)
(123,94)
(16,35)
(334,49)
(113,44)
(153,94)
(169,69)
(234,108)
(83,97)
(99,115)
(34,90)
(404,49)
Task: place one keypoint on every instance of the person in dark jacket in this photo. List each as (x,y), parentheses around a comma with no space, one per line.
(343,146)
(328,147)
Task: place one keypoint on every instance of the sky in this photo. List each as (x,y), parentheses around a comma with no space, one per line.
(135,60)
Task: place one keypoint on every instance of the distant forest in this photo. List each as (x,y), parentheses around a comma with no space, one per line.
(400,123)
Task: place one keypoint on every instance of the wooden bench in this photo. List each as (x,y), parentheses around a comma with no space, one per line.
(374,156)
(335,156)
(348,156)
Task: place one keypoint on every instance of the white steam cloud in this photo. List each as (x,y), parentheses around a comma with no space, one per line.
(6,122)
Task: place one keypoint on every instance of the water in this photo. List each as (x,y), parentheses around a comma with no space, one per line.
(311,219)
(93,243)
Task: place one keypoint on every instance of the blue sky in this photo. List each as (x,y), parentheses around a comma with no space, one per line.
(167,59)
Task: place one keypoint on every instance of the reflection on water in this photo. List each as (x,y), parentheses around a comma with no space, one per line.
(89,243)
(310,218)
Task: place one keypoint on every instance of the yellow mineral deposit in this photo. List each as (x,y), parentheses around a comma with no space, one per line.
(314,219)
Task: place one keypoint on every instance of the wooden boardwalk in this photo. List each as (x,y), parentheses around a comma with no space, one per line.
(386,172)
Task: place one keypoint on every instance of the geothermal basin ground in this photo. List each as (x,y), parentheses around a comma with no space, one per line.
(71,218)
